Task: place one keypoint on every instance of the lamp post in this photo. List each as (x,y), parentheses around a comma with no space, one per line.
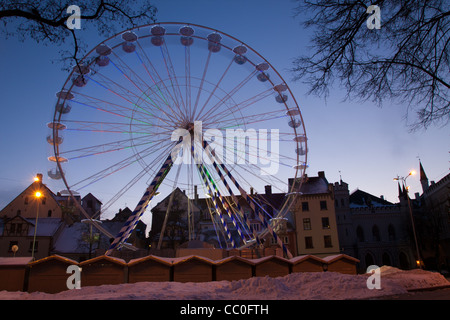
(37,195)
(403,179)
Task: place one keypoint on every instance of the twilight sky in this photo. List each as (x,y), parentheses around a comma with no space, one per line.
(368,145)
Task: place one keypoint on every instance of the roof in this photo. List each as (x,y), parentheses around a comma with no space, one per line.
(164,261)
(298,259)
(359,198)
(46,227)
(336,257)
(14,261)
(54,257)
(104,257)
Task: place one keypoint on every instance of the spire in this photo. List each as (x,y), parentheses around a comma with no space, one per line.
(423,178)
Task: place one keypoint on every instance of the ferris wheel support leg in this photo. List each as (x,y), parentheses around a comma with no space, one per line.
(250,201)
(218,210)
(205,175)
(134,218)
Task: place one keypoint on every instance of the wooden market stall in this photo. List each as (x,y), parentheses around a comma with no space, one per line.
(192,269)
(233,268)
(49,274)
(149,269)
(341,263)
(273,266)
(307,263)
(13,272)
(103,270)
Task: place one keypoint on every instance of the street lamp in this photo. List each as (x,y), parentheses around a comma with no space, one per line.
(37,195)
(403,179)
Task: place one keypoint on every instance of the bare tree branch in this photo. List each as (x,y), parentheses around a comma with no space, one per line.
(406,60)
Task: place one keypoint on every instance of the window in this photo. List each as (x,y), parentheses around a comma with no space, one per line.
(26,200)
(44,200)
(306,224)
(376,233)
(323,205)
(325,223)
(49,213)
(305,206)
(19,228)
(327,241)
(308,243)
(12,228)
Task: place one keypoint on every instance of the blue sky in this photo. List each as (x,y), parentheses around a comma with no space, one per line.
(367,144)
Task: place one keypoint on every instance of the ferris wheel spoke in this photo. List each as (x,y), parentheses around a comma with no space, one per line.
(241,107)
(114,168)
(179,101)
(128,73)
(202,82)
(228,96)
(161,90)
(215,87)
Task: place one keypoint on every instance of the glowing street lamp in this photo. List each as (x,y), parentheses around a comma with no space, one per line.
(37,195)
(403,179)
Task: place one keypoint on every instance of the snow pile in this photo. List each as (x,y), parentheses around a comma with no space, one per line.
(295,286)
(413,279)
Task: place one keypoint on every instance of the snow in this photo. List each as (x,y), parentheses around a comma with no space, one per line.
(295,286)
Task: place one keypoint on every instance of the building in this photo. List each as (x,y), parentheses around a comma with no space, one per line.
(315,217)
(432,220)
(372,229)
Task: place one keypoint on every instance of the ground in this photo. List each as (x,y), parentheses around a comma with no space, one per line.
(296,286)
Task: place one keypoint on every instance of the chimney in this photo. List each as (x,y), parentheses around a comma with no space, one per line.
(321,174)
(251,190)
(382,197)
(195,193)
(268,189)
(417,195)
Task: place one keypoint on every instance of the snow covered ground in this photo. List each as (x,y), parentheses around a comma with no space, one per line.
(296,286)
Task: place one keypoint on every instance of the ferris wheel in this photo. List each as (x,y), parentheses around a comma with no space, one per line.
(178,105)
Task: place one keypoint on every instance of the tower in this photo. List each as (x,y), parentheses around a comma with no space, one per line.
(423,178)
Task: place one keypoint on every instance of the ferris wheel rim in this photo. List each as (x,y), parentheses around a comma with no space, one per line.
(62,98)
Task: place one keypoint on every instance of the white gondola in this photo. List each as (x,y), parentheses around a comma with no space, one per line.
(263,77)
(103,50)
(129,47)
(129,36)
(57,159)
(56,125)
(65,95)
(240,59)
(300,138)
(80,81)
(262,66)
(300,151)
(63,108)
(81,69)
(186,31)
(301,166)
(293,112)
(240,50)
(281,98)
(280,88)
(102,61)
(214,42)
(158,31)
(54,142)
(295,123)
(54,174)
